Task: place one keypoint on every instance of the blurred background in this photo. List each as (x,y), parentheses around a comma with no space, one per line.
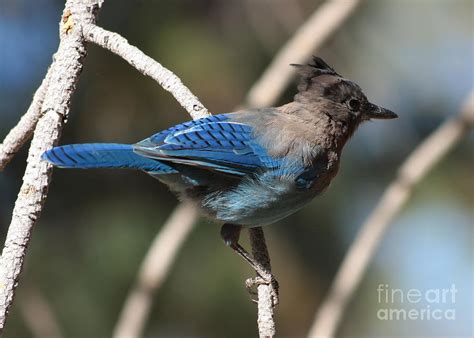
(413,57)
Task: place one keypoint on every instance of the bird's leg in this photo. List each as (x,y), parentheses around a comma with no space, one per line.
(230,233)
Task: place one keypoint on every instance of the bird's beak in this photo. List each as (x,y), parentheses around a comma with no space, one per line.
(376,112)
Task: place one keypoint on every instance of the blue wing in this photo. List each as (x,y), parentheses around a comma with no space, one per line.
(216,143)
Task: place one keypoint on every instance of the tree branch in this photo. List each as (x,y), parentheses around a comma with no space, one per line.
(25,127)
(411,172)
(147,66)
(265,318)
(65,72)
(309,37)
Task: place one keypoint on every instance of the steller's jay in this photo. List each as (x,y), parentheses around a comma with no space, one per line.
(252,167)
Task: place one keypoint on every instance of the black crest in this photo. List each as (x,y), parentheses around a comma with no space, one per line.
(313,69)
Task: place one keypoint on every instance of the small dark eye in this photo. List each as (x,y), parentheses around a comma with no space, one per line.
(354,104)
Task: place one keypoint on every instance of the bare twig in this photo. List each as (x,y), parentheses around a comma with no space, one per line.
(306,40)
(256,97)
(38,315)
(25,127)
(265,320)
(65,72)
(412,171)
(152,275)
(265,92)
(147,66)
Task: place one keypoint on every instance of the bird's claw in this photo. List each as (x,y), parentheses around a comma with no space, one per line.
(250,283)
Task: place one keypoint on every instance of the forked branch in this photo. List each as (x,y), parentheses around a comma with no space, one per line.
(62,78)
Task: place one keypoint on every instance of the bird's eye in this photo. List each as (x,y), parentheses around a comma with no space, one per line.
(354,104)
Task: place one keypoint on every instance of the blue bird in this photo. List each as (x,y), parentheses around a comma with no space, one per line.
(252,167)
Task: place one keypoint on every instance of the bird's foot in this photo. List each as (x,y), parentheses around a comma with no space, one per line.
(230,233)
(250,283)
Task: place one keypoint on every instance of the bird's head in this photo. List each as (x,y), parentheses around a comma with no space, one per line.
(331,94)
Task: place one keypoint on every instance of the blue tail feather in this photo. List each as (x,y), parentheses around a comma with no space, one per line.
(102,155)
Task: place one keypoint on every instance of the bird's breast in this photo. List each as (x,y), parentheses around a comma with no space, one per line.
(271,196)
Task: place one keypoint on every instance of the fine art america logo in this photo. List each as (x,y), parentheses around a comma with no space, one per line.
(416,304)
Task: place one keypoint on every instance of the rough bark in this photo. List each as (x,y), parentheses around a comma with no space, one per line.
(25,127)
(65,70)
